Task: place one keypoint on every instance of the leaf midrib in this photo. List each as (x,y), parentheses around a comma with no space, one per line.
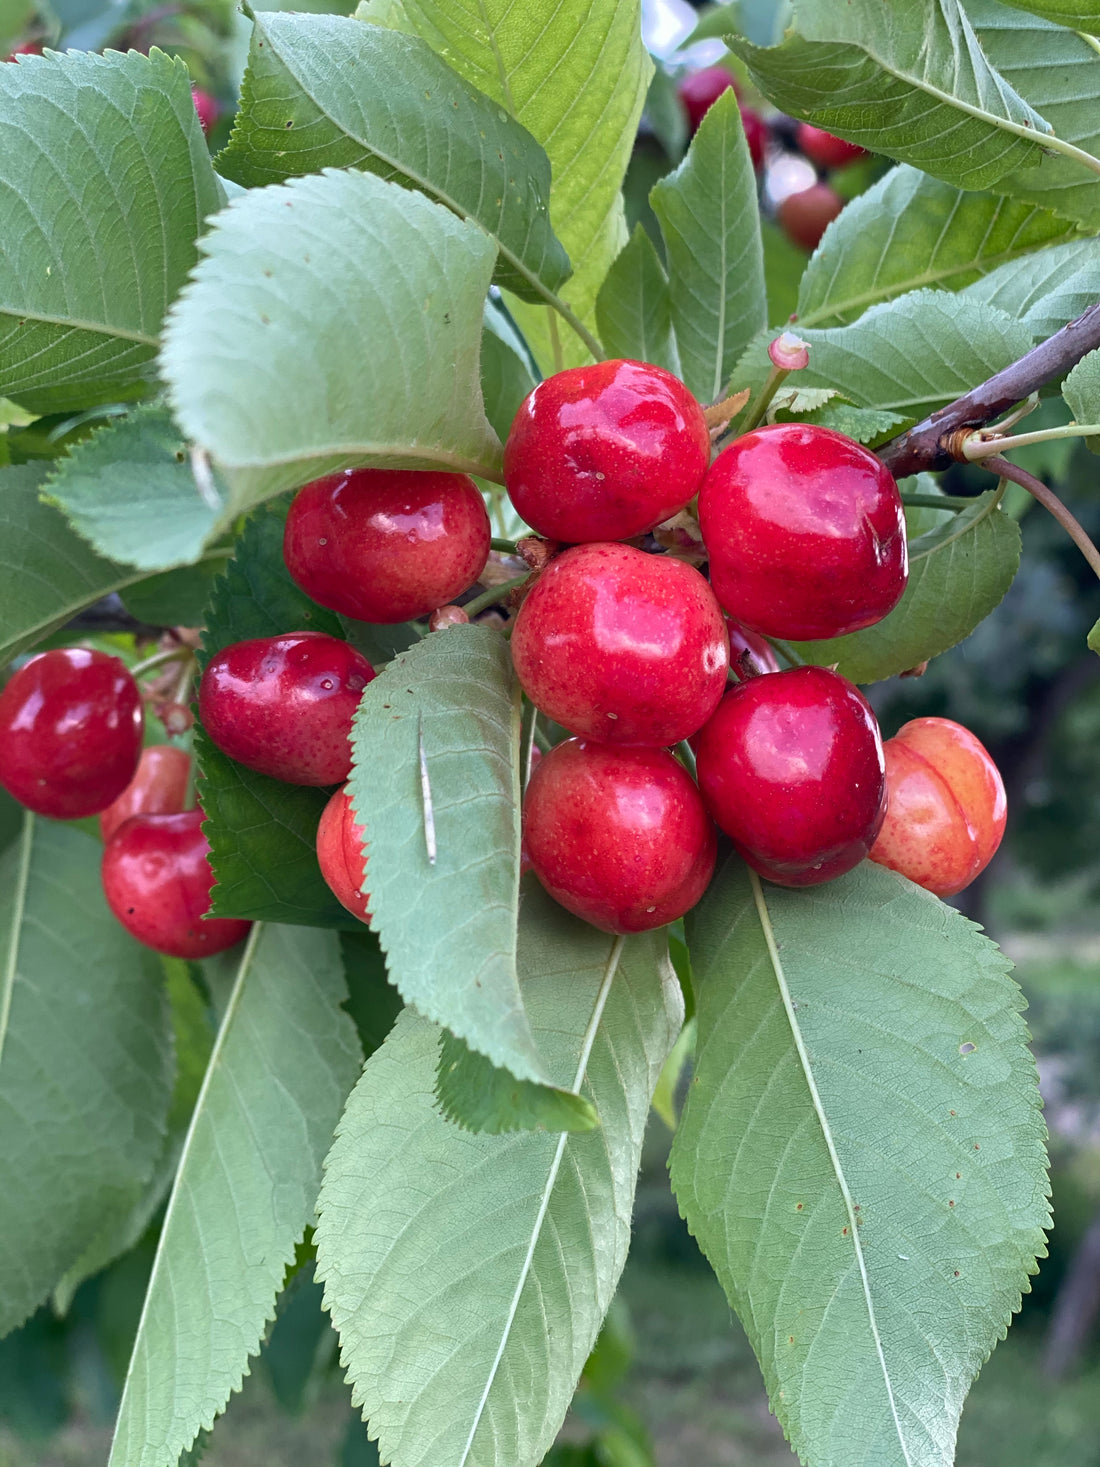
(77,323)
(18,907)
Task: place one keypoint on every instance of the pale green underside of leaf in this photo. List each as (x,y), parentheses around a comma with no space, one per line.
(283,1063)
(335,321)
(106,182)
(910,231)
(331,92)
(1084,16)
(865,425)
(958,573)
(1094,639)
(85,1062)
(861,1153)
(419,1217)
(1081,389)
(449,925)
(1046,291)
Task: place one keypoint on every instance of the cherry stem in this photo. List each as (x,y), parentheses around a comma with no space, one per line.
(493,595)
(763,402)
(936,501)
(1050,501)
(191,793)
(578,327)
(507,547)
(979,445)
(172,654)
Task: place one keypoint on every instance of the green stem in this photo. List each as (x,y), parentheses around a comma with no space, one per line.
(763,402)
(1050,501)
(493,595)
(979,447)
(555,343)
(507,547)
(574,321)
(936,501)
(173,654)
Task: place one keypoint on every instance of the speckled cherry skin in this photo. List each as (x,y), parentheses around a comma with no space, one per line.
(284,705)
(341,856)
(70,732)
(158,788)
(806,532)
(946,807)
(157,879)
(804,216)
(791,767)
(699,90)
(618,836)
(621,646)
(825,150)
(605,452)
(386,545)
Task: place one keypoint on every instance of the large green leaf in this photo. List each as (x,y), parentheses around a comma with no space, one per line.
(106,182)
(435,785)
(910,231)
(283,1062)
(336,320)
(1082,16)
(85,1062)
(861,1153)
(633,310)
(1044,292)
(1081,389)
(329,91)
(710,222)
(958,573)
(505,370)
(420,1218)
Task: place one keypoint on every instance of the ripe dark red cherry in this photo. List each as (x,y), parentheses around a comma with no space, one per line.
(158,788)
(618,836)
(805,215)
(157,879)
(699,90)
(284,705)
(946,806)
(824,150)
(605,452)
(622,646)
(805,531)
(70,732)
(386,545)
(756,135)
(791,767)
(341,855)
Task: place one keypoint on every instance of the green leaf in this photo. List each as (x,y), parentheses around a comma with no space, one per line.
(479,1096)
(129,490)
(328,91)
(1094,639)
(336,320)
(633,311)
(1082,16)
(85,1062)
(373,1002)
(534,1226)
(910,231)
(283,1062)
(447,713)
(106,183)
(861,1153)
(958,573)
(505,372)
(1044,292)
(865,425)
(710,222)
(176,597)
(1081,389)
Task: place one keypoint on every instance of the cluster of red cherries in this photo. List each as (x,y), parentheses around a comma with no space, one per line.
(625,649)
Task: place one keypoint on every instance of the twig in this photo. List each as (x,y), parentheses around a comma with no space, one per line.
(1050,501)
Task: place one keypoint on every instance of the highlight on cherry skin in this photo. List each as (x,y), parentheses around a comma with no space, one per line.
(806,532)
(71,725)
(284,705)
(157,879)
(341,854)
(618,836)
(622,646)
(605,452)
(386,545)
(946,806)
(791,767)
(159,787)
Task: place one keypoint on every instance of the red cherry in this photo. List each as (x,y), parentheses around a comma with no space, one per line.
(284,705)
(791,767)
(744,639)
(805,531)
(805,215)
(622,646)
(158,788)
(70,732)
(946,806)
(618,836)
(386,545)
(699,90)
(756,135)
(25,48)
(605,452)
(823,149)
(208,108)
(157,880)
(342,856)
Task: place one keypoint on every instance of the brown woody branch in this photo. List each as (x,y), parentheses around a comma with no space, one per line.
(924,446)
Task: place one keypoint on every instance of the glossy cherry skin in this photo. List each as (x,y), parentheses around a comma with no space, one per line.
(618,836)
(158,788)
(825,150)
(622,646)
(806,532)
(744,639)
(946,806)
(699,90)
(341,855)
(386,545)
(208,108)
(157,879)
(805,216)
(791,767)
(70,732)
(605,452)
(284,705)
